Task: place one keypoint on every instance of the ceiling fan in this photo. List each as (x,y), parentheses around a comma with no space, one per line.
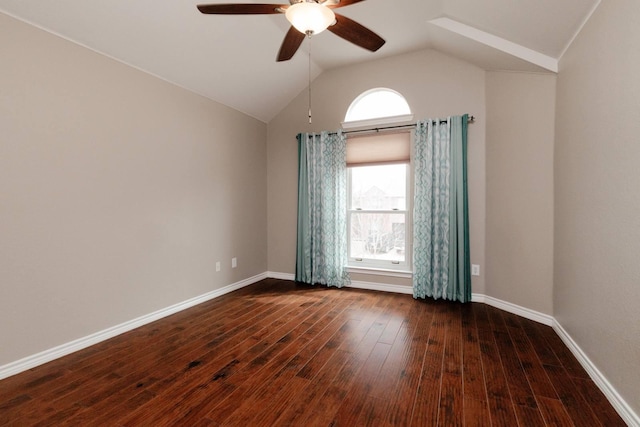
(307,17)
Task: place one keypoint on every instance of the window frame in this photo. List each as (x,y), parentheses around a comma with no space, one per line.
(365,97)
(376,267)
(380,265)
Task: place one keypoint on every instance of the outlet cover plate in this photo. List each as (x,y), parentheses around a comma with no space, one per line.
(475,270)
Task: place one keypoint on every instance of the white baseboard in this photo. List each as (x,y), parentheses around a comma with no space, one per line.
(518,310)
(398,289)
(620,405)
(84,342)
(280,276)
(383,287)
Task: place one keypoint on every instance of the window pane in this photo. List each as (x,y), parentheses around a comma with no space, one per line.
(379,187)
(377,236)
(377,103)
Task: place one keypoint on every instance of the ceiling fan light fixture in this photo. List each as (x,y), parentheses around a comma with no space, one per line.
(310,17)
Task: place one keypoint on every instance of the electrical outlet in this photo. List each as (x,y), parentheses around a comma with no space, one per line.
(234,262)
(218,266)
(475,270)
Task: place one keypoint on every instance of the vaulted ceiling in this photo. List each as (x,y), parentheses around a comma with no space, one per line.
(231,59)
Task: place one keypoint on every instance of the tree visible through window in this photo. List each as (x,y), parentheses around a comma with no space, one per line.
(377,213)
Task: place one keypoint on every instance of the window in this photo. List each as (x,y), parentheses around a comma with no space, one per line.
(379,205)
(377,103)
(379,216)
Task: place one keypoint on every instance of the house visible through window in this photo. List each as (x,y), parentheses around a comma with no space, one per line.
(379,201)
(377,216)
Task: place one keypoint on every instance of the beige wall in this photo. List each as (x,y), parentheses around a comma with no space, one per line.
(597,195)
(435,85)
(520,137)
(118,192)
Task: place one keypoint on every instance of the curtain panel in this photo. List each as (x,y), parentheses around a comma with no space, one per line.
(441,259)
(321,256)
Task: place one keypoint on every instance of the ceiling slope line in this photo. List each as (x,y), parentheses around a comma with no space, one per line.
(503,45)
(126,63)
(579,29)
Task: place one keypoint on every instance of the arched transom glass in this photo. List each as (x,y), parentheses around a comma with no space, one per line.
(377,103)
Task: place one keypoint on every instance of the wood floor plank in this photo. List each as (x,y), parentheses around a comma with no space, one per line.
(500,404)
(227,370)
(576,406)
(331,363)
(475,406)
(390,332)
(349,411)
(205,363)
(322,406)
(181,367)
(327,328)
(427,400)
(326,407)
(191,405)
(279,363)
(372,414)
(476,412)
(400,406)
(451,410)
(404,326)
(528,416)
(317,362)
(562,352)
(278,353)
(554,412)
(536,375)
(598,402)
(518,383)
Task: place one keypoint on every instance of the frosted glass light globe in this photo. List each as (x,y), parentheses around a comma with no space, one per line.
(310,17)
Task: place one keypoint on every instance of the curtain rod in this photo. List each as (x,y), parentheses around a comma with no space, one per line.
(408,126)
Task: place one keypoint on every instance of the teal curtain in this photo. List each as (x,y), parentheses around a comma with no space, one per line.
(322,212)
(441,260)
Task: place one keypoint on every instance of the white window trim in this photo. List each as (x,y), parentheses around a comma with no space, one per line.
(405,119)
(405,274)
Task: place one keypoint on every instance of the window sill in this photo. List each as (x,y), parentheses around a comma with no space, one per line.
(381,272)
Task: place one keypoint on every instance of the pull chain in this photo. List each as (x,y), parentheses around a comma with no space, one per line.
(309,86)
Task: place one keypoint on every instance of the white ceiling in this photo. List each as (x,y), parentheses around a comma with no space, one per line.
(231,59)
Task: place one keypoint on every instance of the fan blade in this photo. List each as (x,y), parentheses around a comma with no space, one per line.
(357,34)
(241,9)
(334,4)
(290,44)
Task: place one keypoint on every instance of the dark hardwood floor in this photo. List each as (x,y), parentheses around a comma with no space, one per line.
(280,354)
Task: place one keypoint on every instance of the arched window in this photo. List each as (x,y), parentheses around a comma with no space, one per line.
(376,104)
(378,165)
